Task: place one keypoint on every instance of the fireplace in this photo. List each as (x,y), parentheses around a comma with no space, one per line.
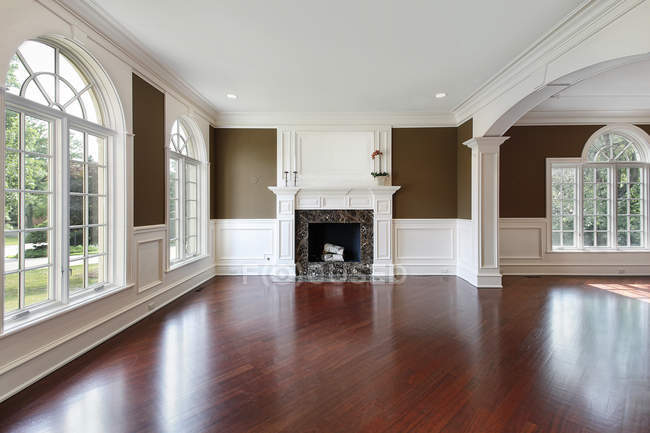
(351,229)
(346,235)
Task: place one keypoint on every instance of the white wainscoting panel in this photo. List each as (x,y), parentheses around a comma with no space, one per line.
(424,246)
(524,252)
(245,246)
(150,262)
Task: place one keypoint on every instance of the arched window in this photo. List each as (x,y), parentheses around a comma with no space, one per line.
(600,200)
(184,193)
(57,161)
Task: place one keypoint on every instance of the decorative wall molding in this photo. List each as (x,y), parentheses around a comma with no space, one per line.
(524,252)
(131,50)
(388,119)
(425,246)
(245,246)
(338,156)
(574,117)
(582,23)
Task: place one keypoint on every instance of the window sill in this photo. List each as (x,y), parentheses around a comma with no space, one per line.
(186,262)
(600,251)
(53,310)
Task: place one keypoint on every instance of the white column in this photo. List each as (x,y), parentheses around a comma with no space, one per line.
(483,262)
(284,260)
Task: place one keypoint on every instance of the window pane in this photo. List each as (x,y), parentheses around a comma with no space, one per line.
(37,135)
(37,173)
(12,170)
(96,209)
(11,292)
(95,270)
(621,239)
(16,75)
(589,239)
(11,129)
(95,179)
(36,248)
(95,149)
(39,57)
(36,286)
(601,239)
(11,210)
(76,247)
(635,239)
(76,210)
(68,71)
(76,145)
(36,210)
(11,252)
(563,206)
(76,275)
(96,240)
(76,177)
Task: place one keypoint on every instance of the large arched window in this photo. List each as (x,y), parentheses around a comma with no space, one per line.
(57,194)
(600,200)
(184,193)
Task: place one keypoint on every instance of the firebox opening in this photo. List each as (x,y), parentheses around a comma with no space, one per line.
(347,235)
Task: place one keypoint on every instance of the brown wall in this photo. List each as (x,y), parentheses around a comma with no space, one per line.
(424,164)
(148,154)
(243,165)
(523,164)
(464,171)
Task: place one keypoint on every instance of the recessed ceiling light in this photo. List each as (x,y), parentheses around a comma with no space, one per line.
(231,96)
(441,95)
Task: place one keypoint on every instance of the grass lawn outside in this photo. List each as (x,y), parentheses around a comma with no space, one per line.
(36,283)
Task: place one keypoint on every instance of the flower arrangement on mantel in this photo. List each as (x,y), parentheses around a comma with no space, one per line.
(379,176)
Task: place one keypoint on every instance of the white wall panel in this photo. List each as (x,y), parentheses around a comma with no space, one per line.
(524,252)
(424,246)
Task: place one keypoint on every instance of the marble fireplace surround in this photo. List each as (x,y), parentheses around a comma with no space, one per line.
(334,270)
(344,201)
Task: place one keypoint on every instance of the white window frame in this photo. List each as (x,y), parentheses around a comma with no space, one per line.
(116,202)
(183,160)
(638,136)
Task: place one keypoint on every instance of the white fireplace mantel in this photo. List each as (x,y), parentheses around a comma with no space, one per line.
(377,198)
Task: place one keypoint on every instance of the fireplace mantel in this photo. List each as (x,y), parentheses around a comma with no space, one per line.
(379,199)
(335,197)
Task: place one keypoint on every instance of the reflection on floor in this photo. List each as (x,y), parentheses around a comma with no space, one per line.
(421,354)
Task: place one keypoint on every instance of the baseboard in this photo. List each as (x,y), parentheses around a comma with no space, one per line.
(577,270)
(202,277)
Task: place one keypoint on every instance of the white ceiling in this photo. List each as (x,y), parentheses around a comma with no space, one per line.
(336,55)
(626,88)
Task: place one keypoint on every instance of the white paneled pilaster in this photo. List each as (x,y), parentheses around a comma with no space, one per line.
(284,260)
(482,267)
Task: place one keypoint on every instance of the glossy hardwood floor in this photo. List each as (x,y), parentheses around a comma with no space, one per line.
(427,354)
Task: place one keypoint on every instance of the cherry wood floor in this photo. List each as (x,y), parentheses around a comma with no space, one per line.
(426,354)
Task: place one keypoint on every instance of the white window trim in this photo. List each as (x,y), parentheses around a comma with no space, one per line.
(200,160)
(60,296)
(117,189)
(635,134)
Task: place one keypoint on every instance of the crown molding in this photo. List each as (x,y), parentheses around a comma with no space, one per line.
(275,119)
(584,117)
(584,21)
(101,22)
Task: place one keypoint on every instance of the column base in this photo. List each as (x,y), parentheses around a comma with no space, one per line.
(481,280)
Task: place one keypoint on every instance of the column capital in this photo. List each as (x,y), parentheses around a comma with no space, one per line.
(485,144)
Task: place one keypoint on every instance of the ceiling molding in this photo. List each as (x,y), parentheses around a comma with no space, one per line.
(274,119)
(97,19)
(583,22)
(580,117)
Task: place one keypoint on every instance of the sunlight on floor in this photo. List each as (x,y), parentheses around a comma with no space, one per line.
(637,290)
